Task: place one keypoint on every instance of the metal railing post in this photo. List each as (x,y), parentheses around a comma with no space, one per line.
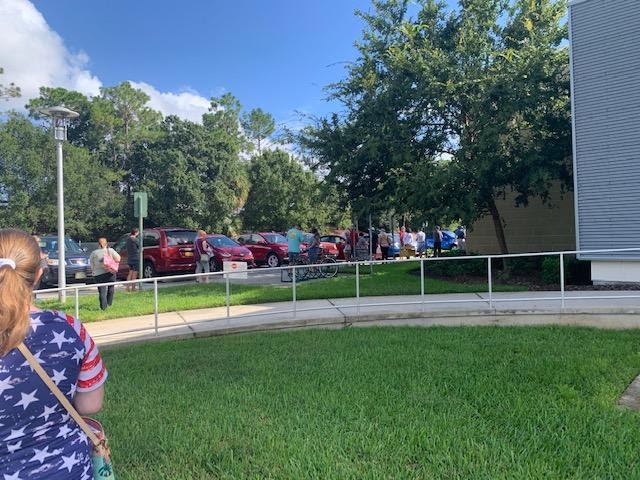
(155,305)
(562,279)
(357,288)
(490,282)
(227,295)
(293,280)
(422,284)
(77,299)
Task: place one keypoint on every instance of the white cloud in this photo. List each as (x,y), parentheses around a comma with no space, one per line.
(187,104)
(33,55)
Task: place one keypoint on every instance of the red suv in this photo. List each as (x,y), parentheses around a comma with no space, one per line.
(268,248)
(166,251)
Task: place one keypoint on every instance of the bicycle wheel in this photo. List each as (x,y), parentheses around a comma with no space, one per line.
(329,268)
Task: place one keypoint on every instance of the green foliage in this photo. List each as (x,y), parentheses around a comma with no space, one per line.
(475,267)
(9,91)
(283,193)
(576,272)
(93,205)
(258,125)
(446,110)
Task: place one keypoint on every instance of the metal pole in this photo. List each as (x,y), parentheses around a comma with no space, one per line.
(490,284)
(422,284)
(562,279)
(228,296)
(293,280)
(155,305)
(357,288)
(140,251)
(77,295)
(62,278)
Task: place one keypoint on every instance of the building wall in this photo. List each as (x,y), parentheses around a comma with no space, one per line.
(534,228)
(606,272)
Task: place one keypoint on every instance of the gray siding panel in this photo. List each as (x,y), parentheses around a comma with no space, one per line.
(605,51)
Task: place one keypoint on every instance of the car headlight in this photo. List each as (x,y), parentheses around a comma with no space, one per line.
(225,254)
(52,262)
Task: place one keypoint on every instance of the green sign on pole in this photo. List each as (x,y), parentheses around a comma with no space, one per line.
(140,211)
(140,204)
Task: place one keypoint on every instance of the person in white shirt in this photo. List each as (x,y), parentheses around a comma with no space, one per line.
(420,241)
(408,239)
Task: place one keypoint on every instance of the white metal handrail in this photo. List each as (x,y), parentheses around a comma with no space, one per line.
(358,305)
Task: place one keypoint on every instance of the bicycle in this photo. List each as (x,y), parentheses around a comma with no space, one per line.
(326,267)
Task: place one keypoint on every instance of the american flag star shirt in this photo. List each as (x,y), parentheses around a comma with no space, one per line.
(38,438)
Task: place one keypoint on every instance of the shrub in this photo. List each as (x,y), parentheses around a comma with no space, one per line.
(473,267)
(576,272)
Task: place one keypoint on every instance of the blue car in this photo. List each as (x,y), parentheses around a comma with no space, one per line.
(449,240)
(394,248)
(77,262)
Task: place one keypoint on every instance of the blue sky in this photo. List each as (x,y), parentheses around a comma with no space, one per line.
(276,54)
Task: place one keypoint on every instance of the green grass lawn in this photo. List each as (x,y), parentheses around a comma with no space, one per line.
(431,403)
(394,279)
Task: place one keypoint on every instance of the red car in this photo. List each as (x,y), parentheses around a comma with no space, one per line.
(268,248)
(166,250)
(337,241)
(328,247)
(226,250)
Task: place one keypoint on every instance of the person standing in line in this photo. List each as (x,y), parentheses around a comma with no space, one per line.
(203,253)
(461,236)
(437,241)
(420,242)
(294,239)
(101,274)
(354,236)
(403,230)
(38,438)
(383,240)
(133,258)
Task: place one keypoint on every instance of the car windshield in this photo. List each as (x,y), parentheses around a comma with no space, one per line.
(50,244)
(180,237)
(221,241)
(274,238)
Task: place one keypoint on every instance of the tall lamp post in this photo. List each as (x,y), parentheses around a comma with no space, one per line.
(60,117)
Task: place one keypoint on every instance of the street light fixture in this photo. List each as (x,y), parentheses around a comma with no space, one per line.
(60,117)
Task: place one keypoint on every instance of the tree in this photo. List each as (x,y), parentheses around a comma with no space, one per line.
(483,89)
(10,91)
(258,125)
(283,193)
(93,205)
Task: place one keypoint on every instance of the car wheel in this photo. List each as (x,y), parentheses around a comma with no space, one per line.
(273,260)
(148,270)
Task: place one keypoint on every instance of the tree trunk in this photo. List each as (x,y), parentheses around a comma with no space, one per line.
(497,224)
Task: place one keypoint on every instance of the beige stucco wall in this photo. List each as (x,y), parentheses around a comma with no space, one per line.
(534,228)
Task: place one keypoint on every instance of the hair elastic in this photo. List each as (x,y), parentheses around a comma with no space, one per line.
(7,262)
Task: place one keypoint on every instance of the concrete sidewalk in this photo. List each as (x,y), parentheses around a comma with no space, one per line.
(616,309)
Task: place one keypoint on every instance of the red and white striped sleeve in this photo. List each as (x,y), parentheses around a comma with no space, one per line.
(92,370)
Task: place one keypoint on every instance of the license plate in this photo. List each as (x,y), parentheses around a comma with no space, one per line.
(188,254)
(80,275)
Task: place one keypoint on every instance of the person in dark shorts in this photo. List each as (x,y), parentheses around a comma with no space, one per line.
(133,258)
(437,242)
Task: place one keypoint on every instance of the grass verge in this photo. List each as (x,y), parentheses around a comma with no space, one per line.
(393,279)
(437,403)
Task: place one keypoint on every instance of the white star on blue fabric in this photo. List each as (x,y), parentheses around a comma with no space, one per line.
(78,356)
(59,339)
(41,455)
(15,434)
(5,384)
(37,357)
(14,447)
(72,391)
(47,411)
(12,477)
(27,398)
(58,376)
(64,432)
(35,323)
(69,462)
